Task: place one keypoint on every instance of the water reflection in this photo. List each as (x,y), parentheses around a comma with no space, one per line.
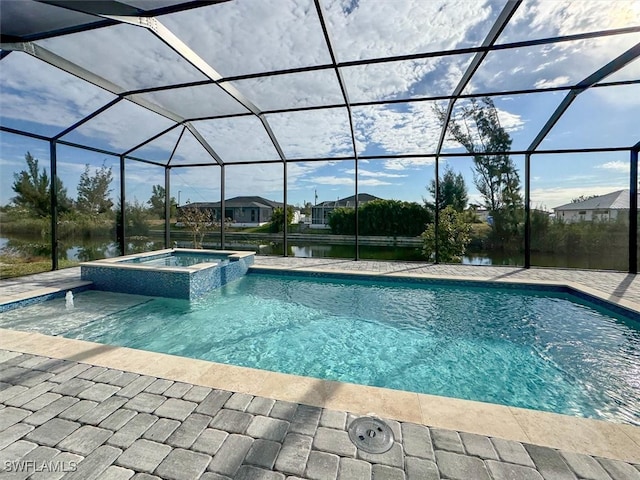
(80,250)
(87,249)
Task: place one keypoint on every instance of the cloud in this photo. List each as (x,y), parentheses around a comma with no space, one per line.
(313,134)
(615,165)
(238,139)
(511,122)
(368,173)
(410,129)
(121,127)
(331,180)
(369,28)
(408,163)
(563,63)
(405,79)
(303,89)
(550,18)
(35,92)
(554,82)
(226,35)
(133,55)
(249,36)
(334,180)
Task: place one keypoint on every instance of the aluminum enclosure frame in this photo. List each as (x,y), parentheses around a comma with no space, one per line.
(149,21)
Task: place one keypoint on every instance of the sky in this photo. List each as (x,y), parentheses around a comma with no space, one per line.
(250,36)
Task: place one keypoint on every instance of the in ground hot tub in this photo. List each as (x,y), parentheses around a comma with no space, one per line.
(175,273)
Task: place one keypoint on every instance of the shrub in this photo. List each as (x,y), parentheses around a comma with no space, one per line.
(454,234)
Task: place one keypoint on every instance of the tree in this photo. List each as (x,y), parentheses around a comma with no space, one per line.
(93,190)
(277,218)
(136,216)
(479,131)
(454,234)
(381,217)
(157,202)
(199,221)
(33,189)
(582,198)
(453,191)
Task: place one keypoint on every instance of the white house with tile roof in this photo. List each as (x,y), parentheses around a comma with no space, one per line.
(606,208)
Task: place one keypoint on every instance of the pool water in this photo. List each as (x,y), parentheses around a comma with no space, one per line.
(514,347)
(178,260)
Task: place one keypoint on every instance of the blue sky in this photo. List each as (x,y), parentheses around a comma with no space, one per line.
(250,36)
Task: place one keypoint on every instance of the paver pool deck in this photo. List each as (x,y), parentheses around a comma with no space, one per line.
(106,412)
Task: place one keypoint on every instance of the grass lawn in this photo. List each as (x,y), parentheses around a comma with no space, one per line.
(17,267)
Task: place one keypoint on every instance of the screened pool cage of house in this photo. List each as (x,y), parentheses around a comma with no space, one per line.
(247,105)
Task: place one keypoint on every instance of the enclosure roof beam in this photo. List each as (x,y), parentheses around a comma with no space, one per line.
(57,61)
(76,70)
(204,143)
(113,7)
(87,118)
(24,134)
(611,67)
(72,144)
(341,82)
(175,147)
(187,53)
(90,8)
(491,38)
(151,139)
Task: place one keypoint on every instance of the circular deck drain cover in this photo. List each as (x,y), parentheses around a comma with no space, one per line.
(371,435)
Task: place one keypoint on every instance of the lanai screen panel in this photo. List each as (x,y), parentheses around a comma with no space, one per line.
(245,36)
(120,128)
(35,18)
(129,56)
(522,116)
(552,65)
(197,101)
(401,129)
(159,150)
(238,139)
(372,28)
(294,90)
(630,72)
(406,79)
(597,118)
(191,152)
(313,133)
(152,4)
(39,98)
(536,19)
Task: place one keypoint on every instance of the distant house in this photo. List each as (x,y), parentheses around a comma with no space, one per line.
(320,212)
(481,213)
(607,207)
(241,211)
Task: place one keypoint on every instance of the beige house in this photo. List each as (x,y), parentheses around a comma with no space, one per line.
(604,208)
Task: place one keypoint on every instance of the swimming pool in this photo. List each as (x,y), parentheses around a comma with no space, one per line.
(525,348)
(174,273)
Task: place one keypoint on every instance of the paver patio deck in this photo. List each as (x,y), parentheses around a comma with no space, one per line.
(70,412)
(227,435)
